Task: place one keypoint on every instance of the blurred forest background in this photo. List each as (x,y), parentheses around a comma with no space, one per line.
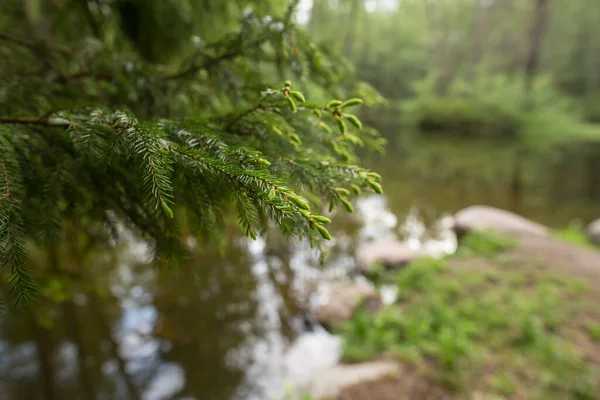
(471,58)
(520,72)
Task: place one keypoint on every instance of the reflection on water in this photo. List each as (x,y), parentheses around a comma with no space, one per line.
(232,327)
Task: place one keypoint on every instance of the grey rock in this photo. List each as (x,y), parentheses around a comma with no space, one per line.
(390,253)
(343,301)
(329,383)
(478,218)
(593,231)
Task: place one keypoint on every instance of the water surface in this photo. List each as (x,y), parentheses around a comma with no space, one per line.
(235,327)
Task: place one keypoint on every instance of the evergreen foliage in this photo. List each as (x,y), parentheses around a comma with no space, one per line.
(96,129)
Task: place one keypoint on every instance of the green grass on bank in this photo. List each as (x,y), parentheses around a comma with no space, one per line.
(503,326)
(485,244)
(574,234)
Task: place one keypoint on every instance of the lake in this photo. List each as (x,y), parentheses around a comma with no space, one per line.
(235,326)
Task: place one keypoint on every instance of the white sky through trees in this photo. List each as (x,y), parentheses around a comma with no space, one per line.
(305,6)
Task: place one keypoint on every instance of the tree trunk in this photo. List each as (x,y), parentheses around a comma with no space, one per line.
(317,14)
(441,25)
(352,23)
(72,326)
(516,181)
(510,47)
(41,337)
(536,36)
(532,61)
(593,56)
(79,255)
(432,22)
(72,322)
(101,319)
(479,25)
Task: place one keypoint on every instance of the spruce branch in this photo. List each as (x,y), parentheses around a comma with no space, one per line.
(261,105)
(149,146)
(6,194)
(259,185)
(233,53)
(211,62)
(51,194)
(181,147)
(9,37)
(202,207)
(291,10)
(32,121)
(12,253)
(111,225)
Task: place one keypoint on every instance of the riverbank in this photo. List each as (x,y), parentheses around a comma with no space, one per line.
(510,315)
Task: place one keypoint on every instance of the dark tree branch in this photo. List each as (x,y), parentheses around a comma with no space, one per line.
(211,62)
(257,107)
(43,51)
(28,43)
(32,121)
(7,37)
(229,55)
(179,75)
(107,77)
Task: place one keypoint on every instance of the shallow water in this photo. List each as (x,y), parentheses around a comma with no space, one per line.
(234,327)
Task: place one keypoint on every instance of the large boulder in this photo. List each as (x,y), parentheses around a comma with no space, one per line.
(478,218)
(344,299)
(593,231)
(329,383)
(390,253)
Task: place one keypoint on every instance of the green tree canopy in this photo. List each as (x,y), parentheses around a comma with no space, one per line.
(147,112)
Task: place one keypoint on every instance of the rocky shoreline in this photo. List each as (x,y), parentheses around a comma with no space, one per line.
(372,258)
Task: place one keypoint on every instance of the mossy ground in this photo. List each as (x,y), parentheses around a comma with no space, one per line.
(486,320)
(575,235)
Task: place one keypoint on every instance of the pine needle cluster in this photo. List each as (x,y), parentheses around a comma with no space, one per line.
(96,135)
